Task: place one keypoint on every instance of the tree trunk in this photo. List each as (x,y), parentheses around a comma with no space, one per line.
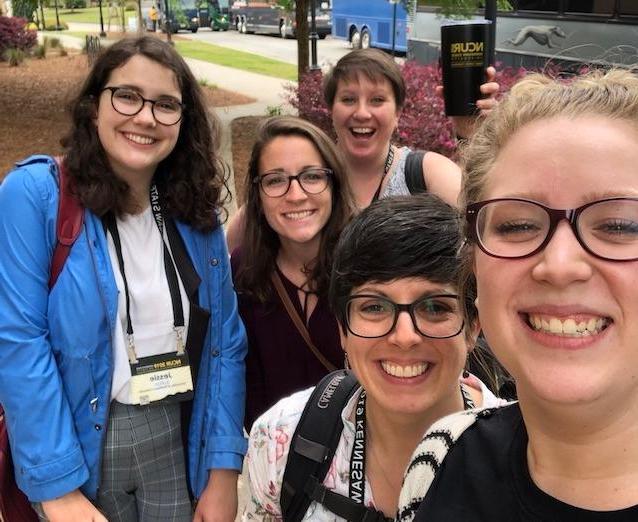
(141,29)
(303,34)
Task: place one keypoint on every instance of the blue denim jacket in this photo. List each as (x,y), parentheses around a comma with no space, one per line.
(56,360)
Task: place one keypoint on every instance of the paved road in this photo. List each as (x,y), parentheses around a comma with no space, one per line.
(328,50)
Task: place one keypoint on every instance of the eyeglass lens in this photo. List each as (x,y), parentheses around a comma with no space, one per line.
(129,102)
(607,228)
(432,316)
(312,181)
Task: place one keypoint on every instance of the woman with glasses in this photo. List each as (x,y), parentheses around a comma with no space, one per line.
(365,93)
(123,380)
(552,249)
(401,327)
(297,203)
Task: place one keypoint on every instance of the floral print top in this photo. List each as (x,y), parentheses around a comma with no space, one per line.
(268,447)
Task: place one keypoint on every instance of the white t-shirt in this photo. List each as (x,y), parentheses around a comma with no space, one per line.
(150,300)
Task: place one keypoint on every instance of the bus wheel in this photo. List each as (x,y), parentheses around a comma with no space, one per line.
(365,39)
(194,29)
(355,40)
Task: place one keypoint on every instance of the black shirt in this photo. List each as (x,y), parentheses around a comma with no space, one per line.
(485,477)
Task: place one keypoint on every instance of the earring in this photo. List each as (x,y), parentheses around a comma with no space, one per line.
(346,363)
(465,374)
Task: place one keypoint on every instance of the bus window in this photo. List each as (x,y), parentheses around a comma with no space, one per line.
(599,7)
(628,8)
(537,5)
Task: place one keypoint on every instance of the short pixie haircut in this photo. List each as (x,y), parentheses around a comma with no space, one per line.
(396,238)
(371,63)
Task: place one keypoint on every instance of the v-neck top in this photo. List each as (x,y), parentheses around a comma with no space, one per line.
(279,362)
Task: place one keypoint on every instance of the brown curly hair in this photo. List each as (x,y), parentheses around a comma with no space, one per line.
(192,179)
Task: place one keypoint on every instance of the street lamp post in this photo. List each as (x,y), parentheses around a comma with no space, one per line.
(102,33)
(490,14)
(394,25)
(313,37)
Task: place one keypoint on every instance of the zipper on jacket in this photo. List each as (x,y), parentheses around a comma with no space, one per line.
(94,405)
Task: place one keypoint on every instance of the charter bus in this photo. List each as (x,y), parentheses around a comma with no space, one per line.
(252,16)
(370,23)
(565,32)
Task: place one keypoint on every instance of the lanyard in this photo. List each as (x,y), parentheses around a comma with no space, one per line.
(171,277)
(386,168)
(356,489)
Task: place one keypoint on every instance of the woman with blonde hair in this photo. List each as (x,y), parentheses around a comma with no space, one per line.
(551,205)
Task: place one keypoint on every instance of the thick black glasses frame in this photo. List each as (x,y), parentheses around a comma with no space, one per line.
(398,308)
(555,216)
(257,180)
(144,102)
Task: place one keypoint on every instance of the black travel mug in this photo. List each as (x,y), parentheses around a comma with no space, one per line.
(464,58)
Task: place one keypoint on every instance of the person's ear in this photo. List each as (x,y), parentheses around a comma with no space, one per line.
(471,335)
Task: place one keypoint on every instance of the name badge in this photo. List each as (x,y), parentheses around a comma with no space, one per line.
(165,376)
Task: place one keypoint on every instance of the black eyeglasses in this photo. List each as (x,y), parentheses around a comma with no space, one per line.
(434,316)
(128,102)
(313,180)
(514,228)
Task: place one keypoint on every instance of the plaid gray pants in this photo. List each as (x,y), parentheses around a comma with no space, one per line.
(143,470)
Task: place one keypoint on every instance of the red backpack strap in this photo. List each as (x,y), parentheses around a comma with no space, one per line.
(69,224)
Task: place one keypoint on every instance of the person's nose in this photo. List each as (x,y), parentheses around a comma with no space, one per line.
(362,111)
(295,192)
(404,335)
(563,260)
(146,116)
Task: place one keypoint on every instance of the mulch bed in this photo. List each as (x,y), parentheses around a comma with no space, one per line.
(34,98)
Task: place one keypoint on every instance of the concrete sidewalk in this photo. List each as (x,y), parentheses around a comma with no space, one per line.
(267,91)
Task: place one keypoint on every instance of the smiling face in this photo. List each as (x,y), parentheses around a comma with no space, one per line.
(405,372)
(297,217)
(364,115)
(135,145)
(525,305)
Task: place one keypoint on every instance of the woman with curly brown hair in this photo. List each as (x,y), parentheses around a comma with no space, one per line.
(123,382)
(297,202)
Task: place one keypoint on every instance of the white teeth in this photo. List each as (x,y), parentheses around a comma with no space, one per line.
(142,140)
(298,215)
(568,327)
(362,130)
(412,370)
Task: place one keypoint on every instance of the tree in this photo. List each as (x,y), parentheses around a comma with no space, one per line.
(24,8)
(460,8)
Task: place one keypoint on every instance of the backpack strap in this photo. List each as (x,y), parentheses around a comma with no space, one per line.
(314,443)
(69,224)
(428,458)
(414,172)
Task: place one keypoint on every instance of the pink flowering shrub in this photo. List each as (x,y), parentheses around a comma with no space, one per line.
(423,124)
(15,35)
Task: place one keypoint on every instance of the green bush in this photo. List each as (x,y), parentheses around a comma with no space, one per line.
(50,25)
(74,4)
(40,51)
(14,56)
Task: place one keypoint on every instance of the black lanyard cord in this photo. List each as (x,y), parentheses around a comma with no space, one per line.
(169,268)
(386,168)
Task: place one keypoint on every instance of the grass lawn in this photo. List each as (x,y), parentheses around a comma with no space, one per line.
(90,15)
(237,59)
(221,56)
